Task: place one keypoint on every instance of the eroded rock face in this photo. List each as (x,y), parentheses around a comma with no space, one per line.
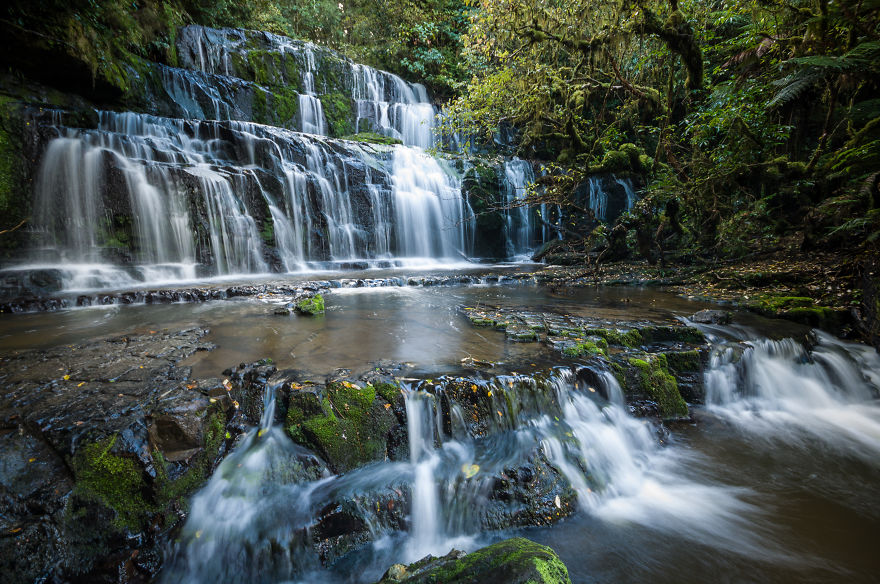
(101,442)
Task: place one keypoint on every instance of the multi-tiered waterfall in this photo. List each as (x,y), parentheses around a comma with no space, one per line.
(206,190)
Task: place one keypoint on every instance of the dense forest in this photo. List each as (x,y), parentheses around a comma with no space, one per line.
(751,124)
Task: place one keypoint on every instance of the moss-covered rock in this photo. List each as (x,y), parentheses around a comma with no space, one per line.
(373,138)
(339,113)
(346,424)
(802,309)
(596,346)
(311,306)
(655,381)
(624,338)
(513,561)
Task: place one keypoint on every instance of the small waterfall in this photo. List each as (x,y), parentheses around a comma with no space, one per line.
(786,390)
(390,106)
(518,174)
(598,199)
(432,219)
(311,110)
(250,522)
(425,533)
(627,186)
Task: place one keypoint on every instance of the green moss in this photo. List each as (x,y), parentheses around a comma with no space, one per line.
(388,391)
(339,113)
(268,231)
(286,106)
(350,427)
(680,361)
(516,560)
(632,338)
(681,334)
(373,138)
(597,347)
(312,306)
(660,385)
(259,110)
(777,303)
(114,481)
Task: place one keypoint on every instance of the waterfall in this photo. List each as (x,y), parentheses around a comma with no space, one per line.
(782,389)
(188,198)
(426,532)
(431,217)
(598,199)
(310,108)
(518,174)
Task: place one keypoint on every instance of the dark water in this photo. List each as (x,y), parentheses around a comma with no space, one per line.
(767,492)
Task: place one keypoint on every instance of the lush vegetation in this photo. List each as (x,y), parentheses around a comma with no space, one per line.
(751,122)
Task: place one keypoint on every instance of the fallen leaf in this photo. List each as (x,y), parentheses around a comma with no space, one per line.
(31,459)
(81,383)
(66,377)
(387,406)
(469,470)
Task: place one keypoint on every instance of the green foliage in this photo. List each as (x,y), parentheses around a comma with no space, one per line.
(373,138)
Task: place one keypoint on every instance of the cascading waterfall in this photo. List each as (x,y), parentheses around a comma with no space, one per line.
(252,521)
(310,108)
(431,217)
(780,388)
(426,533)
(238,186)
(518,174)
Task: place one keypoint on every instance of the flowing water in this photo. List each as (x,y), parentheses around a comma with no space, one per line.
(777,481)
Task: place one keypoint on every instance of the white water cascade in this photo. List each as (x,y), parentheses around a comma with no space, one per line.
(782,390)
(520,228)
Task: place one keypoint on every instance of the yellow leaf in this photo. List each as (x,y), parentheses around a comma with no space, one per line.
(469,470)
(31,459)
(490,394)
(499,413)
(66,377)
(235,403)
(81,383)
(387,406)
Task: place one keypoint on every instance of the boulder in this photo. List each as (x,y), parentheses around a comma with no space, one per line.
(513,561)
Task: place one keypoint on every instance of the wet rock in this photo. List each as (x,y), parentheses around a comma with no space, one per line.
(710,316)
(513,561)
(248,384)
(345,423)
(102,441)
(311,306)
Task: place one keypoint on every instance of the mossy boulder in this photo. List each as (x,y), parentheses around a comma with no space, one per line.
(802,309)
(311,306)
(339,111)
(595,346)
(513,561)
(652,379)
(348,425)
